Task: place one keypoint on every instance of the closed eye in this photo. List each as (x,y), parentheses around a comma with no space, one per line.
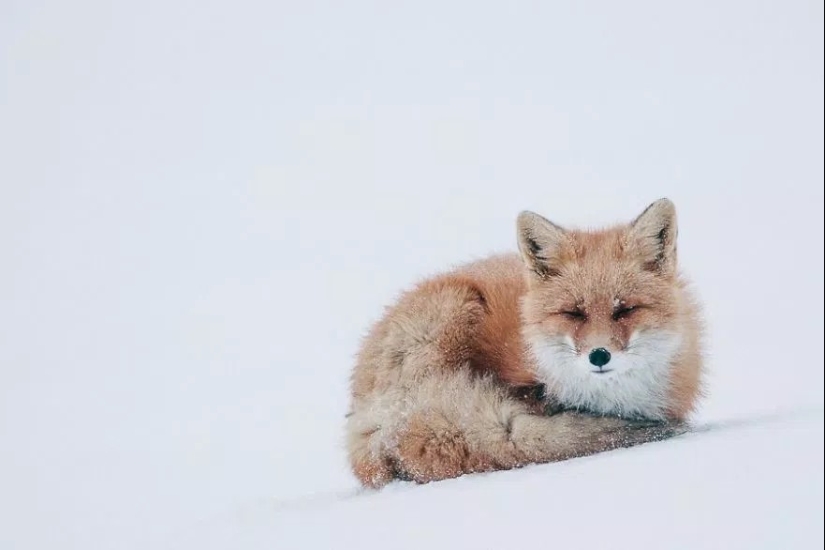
(575,314)
(624,312)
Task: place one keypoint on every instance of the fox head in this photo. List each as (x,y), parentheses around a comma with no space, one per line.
(603,315)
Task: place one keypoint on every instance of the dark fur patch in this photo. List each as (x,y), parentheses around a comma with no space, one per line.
(662,237)
(541,263)
(658,262)
(533,245)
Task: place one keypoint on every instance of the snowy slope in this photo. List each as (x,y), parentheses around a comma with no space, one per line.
(756,483)
(203,205)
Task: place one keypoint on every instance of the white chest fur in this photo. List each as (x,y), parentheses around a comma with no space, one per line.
(636,386)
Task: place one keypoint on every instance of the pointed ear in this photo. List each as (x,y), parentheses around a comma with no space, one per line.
(540,242)
(654,233)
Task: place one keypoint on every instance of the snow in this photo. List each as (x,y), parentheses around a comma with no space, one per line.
(660,495)
(204,205)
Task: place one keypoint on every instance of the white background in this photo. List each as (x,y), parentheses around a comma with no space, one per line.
(203,205)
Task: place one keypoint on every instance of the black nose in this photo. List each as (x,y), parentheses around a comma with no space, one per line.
(600,357)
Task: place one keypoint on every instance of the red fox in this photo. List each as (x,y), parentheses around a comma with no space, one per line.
(582,342)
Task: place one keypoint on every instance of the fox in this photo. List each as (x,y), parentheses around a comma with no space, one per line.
(578,342)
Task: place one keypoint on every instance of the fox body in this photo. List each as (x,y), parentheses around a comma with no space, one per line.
(601,320)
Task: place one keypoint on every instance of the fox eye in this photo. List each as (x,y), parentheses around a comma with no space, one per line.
(575,314)
(623,312)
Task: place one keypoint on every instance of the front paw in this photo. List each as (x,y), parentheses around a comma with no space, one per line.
(639,431)
(643,423)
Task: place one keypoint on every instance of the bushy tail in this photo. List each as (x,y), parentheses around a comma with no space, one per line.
(458,423)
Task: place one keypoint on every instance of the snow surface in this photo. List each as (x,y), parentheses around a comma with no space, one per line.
(716,490)
(203,205)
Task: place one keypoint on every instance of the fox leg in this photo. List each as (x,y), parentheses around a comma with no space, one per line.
(489,431)
(573,434)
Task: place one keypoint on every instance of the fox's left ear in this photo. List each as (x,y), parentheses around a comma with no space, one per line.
(654,232)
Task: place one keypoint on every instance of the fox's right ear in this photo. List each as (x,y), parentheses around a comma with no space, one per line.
(540,242)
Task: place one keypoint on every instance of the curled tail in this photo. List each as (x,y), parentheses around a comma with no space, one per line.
(421,412)
(460,423)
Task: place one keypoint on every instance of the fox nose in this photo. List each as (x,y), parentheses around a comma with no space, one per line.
(599,357)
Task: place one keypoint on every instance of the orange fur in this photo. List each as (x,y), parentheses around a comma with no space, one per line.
(434,385)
